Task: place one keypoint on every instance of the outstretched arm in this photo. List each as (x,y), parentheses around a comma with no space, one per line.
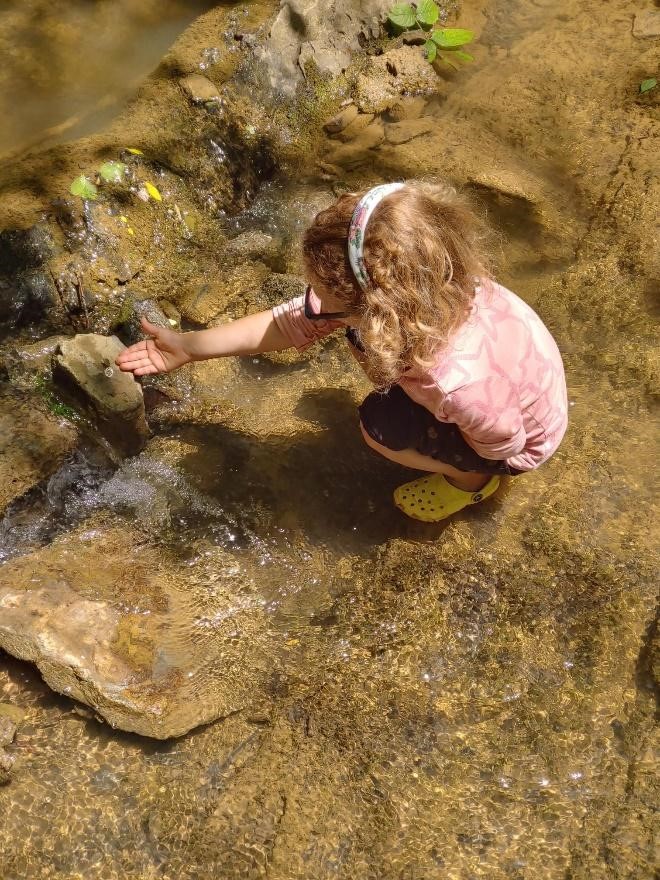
(167,350)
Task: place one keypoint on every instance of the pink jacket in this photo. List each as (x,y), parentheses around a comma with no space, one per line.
(500,379)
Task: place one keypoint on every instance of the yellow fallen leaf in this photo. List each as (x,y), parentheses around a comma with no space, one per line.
(153,191)
(135,151)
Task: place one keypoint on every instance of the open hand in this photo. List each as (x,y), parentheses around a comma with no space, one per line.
(164,352)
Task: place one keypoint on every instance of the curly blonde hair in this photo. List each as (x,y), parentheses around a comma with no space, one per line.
(424,248)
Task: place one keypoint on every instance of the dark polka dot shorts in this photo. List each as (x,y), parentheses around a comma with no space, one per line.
(394,420)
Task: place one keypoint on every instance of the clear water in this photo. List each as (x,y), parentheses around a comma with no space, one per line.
(465,700)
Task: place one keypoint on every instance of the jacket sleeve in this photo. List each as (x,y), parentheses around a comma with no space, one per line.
(299,330)
(488,415)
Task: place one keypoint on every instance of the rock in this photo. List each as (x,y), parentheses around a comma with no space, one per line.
(397,72)
(208,299)
(131,330)
(33,444)
(171,312)
(8,726)
(14,713)
(646,25)
(414,38)
(28,364)
(27,298)
(355,128)
(27,291)
(410,108)
(6,766)
(280,287)
(252,245)
(199,89)
(144,642)
(510,184)
(7,730)
(402,132)
(358,151)
(325,34)
(85,366)
(22,249)
(341,120)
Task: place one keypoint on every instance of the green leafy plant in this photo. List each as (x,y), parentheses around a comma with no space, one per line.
(113,172)
(82,186)
(647,84)
(442,44)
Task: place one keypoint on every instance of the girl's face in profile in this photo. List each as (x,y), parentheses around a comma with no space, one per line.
(322,304)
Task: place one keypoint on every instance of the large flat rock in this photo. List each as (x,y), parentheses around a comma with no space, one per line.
(152,646)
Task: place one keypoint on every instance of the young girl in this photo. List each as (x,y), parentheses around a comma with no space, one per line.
(470,382)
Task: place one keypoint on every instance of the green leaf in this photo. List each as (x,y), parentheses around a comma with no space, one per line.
(82,186)
(402,15)
(431,51)
(465,57)
(113,172)
(450,38)
(427,12)
(647,84)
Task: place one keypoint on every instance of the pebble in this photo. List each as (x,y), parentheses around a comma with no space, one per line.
(341,120)
(199,89)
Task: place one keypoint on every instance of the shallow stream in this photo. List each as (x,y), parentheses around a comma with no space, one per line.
(403,702)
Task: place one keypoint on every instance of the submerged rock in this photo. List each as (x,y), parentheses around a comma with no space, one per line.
(85,366)
(252,245)
(646,25)
(10,718)
(143,643)
(341,120)
(208,299)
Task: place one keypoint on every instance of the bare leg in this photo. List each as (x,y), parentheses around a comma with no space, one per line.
(469,482)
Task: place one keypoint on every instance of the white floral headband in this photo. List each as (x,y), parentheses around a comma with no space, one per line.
(363,211)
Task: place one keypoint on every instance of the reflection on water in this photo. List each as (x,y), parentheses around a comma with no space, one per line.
(68,66)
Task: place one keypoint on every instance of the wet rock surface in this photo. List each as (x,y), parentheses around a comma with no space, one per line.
(85,366)
(28,363)
(10,718)
(33,442)
(396,701)
(135,667)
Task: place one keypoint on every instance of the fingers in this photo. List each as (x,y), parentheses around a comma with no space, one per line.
(131,352)
(148,327)
(135,364)
(146,371)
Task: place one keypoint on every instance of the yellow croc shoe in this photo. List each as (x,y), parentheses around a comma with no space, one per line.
(432,498)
